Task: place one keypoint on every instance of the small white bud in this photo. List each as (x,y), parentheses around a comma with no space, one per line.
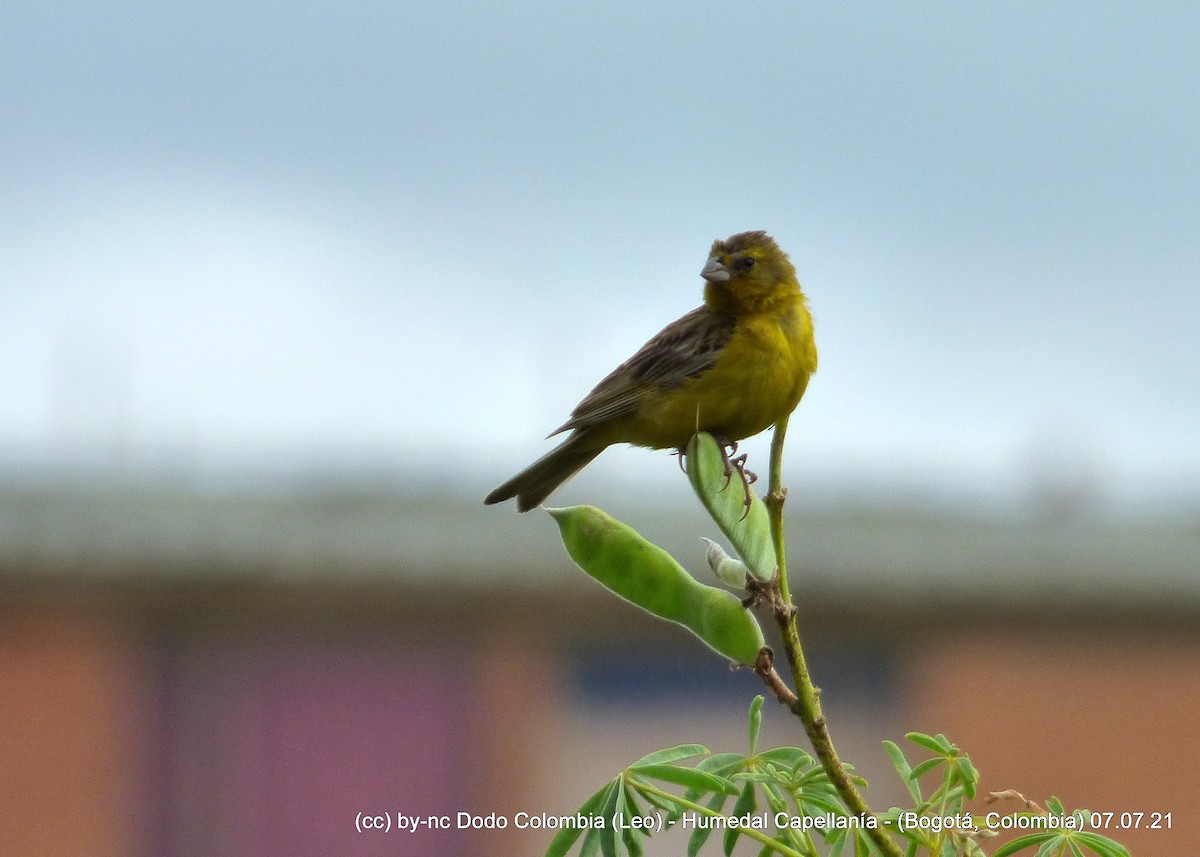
(728,570)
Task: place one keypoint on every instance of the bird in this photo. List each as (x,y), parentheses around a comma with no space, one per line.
(732,367)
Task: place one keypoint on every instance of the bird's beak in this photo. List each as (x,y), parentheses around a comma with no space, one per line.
(715,272)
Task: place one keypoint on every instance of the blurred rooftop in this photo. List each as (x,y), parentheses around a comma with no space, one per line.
(61,535)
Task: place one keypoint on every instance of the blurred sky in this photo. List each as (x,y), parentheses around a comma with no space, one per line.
(238,235)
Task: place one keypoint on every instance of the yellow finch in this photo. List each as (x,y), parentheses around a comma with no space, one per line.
(732,367)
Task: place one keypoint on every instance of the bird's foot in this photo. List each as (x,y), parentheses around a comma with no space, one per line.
(748,477)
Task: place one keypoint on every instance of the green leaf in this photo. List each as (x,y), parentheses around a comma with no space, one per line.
(565,838)
(633,841)
(859,843)
(1075,852)
(822,804)
(610,843)
(722,765)
(970,776)
(973,848)
(791,758)
(591,843)
(700,834)
(755,722)
(760,776)
(689,778)
(608,838)
(1102,844)
(672,754)
(927,766)
(927,741)
(632,837)
(837,843)
(724,498)
(632,807)
(1054,805)
(1049,847)
(952,799)
(1023,842)
(745,803)
(776,797)
(903,769)
(662,803)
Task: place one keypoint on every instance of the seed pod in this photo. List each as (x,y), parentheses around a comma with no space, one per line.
(747,530)
(644,574)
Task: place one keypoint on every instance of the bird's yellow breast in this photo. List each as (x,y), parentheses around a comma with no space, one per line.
(757,380)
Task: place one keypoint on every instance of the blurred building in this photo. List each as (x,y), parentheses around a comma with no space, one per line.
(211,673)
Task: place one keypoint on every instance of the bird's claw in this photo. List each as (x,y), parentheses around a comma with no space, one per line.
(748,477)
(728,449)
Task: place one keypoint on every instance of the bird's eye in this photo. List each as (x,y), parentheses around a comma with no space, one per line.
(746,263)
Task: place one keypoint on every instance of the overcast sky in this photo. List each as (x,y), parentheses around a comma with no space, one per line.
(235,234)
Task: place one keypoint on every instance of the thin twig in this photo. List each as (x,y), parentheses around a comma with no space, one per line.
(805,703)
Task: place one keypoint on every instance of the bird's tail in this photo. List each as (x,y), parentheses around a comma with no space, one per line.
(539,480)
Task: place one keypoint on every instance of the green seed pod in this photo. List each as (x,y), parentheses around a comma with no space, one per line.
(722,621)
(747,530)
(644,574)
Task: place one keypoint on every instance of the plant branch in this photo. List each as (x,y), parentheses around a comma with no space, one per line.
(805,703)
(776,494)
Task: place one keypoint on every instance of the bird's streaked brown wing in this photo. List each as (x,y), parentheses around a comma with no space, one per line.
(682,350)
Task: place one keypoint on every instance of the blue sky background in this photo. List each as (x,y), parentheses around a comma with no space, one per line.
(406,239)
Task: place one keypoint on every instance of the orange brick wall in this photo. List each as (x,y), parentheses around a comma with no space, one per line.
(67,713)
(1102,721)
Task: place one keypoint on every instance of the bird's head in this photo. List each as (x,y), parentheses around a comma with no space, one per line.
(747,272)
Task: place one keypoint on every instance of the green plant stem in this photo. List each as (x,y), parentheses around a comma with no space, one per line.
(758,835)
(776,494)
(805,703)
